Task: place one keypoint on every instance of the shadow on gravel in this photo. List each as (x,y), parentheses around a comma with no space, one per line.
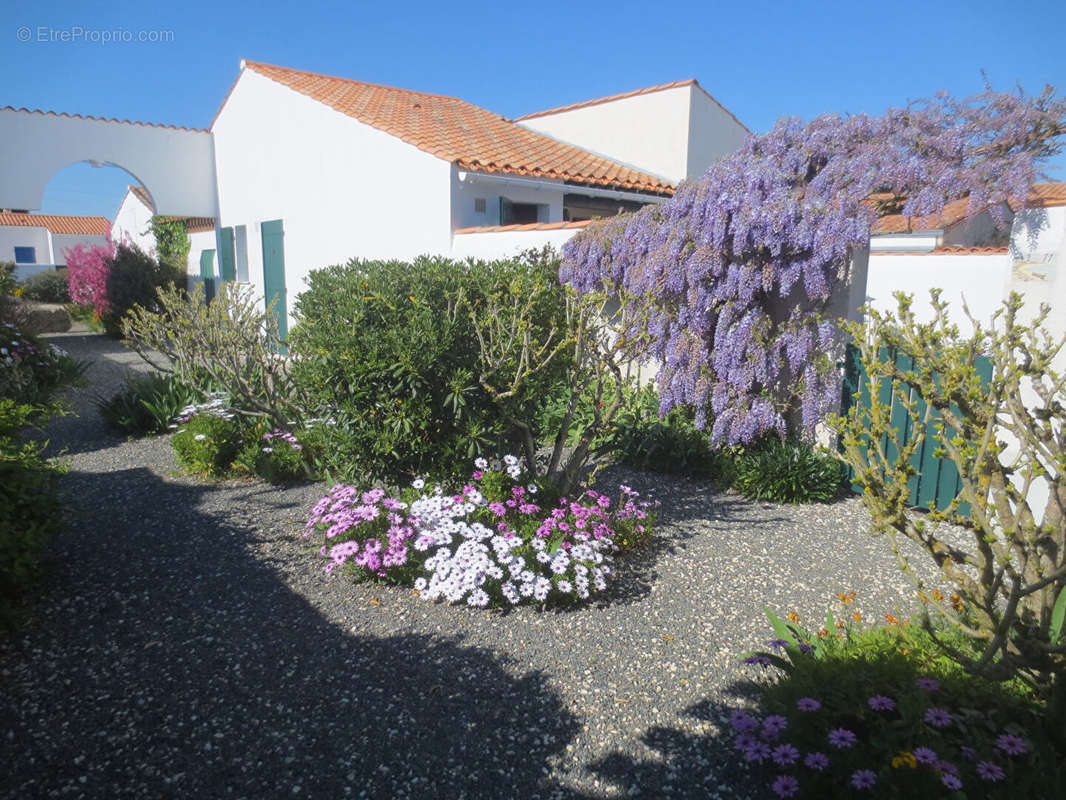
(167,661)
(685,765)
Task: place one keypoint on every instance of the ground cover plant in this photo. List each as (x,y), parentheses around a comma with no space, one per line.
(500,540)
(740,268)
(148,403)
(785,472)
(854,709)
(1010,566)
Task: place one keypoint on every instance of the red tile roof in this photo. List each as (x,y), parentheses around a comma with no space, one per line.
(101,119)
(1043,195)
(529,226)
(634,93)
(59,223)
(192,224)
(949,250)
(471,137)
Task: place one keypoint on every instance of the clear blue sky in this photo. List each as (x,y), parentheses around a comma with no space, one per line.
(760,59)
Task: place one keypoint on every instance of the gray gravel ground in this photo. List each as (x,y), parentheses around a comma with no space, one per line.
(187,644)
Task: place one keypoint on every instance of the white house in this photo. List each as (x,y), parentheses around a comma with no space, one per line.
(133,222)
(38,242)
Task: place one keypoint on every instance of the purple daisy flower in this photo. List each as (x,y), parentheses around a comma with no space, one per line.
(808,704)
(841,738)
(785,755)
(938,717)
(743,722)
(785,786)
(774,723)
(923,755)
(778,644)
(816,760)
(929,684)
(863,778)
(761,660)
(881,703)
(757,753)
(951,781)
(744,741)
(989,771)
(1012,745)
(948,767)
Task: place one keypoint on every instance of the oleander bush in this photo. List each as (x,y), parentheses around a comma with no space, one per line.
(498,540)
(786,472)
(391,349)
(47,287)
(854,710)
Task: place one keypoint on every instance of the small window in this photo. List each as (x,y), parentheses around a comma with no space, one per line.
(25,255)
(480,205)
(518,213)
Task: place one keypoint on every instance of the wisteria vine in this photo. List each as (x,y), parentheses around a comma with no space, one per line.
(742,264)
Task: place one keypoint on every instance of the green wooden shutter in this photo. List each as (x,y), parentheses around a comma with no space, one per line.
(225,256)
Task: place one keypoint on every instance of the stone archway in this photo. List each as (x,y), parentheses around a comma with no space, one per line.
(176,165)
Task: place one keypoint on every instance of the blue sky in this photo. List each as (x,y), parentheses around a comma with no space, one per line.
(762,60)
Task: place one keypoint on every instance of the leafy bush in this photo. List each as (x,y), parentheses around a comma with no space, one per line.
(1010,567)
(786,472)
(277,456)
(208,439)
(148,403)
(390,349)
(32,372)
(47,287)
(29,506)
(492,542)
(881,711)
(133,280)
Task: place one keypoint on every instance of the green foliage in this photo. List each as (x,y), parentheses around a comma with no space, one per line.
(47,287)
(208,444)
(133,280)
(786,472)
(31,371)
(171,242)
(1009,568)
(7,278)
(148,403)
(880,683)
(29,506)
(279,456)
(389,348)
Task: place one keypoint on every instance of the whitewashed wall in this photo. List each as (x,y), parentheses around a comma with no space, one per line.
(505,244)
(341,188)
(12,236)
(133,222)
(712,133)
(198,242)
(62,242)
(467,187)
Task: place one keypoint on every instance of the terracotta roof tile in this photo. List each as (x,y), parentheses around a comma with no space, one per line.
(102,119)
(530,226)
(1043,195)
(471,137)
(949,250)
(192,224)
(59,223)
(634,93)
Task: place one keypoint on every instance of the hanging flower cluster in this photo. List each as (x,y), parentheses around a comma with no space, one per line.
(491,542)
(742,263)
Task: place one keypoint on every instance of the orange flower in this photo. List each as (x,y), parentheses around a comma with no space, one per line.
(892,620)
(956,602)
(857,616)
(846,597)
(792,615)
(937,595)
(823,633)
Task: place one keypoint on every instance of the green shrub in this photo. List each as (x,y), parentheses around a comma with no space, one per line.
(391,350)
(133,280)
(886,710)
(29,507)
(148,403)
(47,287)
(786,472)
(278,456)
(208,443)
(33,372)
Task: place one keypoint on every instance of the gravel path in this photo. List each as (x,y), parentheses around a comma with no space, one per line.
(187,644)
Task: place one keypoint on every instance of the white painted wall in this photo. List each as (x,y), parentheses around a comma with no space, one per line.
(12,236)
(133,222)
(177,166)
(62,242)
(505,244)
(465,191)
(712,133)
(649,132)
(1039,236)
(341,188)
(905,242)
(198,242)
(979,279)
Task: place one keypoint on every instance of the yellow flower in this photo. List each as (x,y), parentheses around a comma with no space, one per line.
(904,759)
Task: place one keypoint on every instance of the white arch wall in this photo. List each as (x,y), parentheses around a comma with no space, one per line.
(176,165)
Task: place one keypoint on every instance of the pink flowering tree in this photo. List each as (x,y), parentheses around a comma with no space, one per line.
(742,264)
(88,269)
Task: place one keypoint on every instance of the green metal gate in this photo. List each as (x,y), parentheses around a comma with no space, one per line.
(936,482)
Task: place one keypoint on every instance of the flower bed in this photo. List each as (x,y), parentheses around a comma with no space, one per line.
(500,540)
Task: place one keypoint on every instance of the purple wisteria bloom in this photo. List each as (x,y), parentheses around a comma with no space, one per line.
(1012,745)
(841,738)
(785,755)
(990,771)
(785,786)
(816,760)
(808,704)
(863,778)
(938,717)
(881,703)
